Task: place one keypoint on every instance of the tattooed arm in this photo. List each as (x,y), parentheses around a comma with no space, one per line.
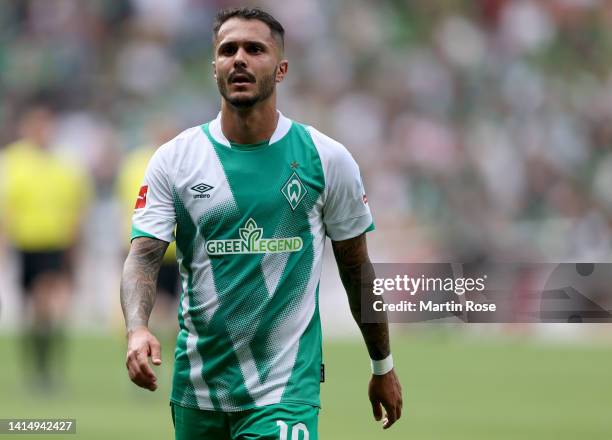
(138,290)
(356,271)
(139,280)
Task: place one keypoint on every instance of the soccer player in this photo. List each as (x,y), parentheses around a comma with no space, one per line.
(252,194)
(43,201)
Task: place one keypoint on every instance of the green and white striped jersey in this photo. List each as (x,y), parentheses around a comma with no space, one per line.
(250,225)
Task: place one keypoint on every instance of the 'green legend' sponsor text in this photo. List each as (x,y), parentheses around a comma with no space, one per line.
(250,242)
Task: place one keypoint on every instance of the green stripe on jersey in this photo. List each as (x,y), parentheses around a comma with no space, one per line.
(138,233)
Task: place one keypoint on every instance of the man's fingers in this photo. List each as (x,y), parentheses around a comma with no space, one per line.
(130,371)
(139,378)
(143,381)
(142,345)
(139,370)
(385,393)
(377,411)
(391,418)
(156,353)
(143,364)
(148,384)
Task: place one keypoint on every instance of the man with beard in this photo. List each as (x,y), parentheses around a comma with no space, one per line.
(252,195)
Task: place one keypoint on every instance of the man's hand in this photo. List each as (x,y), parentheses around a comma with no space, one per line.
(386,392)
(142,345)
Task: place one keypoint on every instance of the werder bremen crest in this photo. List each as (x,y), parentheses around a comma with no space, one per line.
(251,242)
(294,191)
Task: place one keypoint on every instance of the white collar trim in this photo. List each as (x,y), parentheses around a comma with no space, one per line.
(282,128)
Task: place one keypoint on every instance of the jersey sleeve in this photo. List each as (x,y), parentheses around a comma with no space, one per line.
(346,213)
(154,214)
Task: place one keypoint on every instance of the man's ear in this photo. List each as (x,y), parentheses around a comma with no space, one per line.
(214,66)
(283,67)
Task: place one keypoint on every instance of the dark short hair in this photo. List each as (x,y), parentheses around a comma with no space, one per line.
(277,30)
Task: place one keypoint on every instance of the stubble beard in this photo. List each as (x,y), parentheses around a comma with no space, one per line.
(265,89)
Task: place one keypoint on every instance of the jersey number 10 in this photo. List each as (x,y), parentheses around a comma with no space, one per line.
(295,432)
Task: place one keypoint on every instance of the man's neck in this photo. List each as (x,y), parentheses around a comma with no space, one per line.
(249,126)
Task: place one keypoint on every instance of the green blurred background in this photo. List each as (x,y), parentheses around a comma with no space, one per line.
(454,388)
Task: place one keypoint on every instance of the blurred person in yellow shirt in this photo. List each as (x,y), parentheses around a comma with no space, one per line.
(43,200)
(129,182)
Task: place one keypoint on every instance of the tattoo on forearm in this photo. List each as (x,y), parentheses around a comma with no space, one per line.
(357,272)
(139,280)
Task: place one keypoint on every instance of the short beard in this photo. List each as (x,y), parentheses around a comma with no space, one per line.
(265,90)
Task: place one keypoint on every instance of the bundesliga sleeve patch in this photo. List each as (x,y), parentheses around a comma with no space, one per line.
(141,201)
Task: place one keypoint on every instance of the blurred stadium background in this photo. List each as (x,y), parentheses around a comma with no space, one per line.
(483,130)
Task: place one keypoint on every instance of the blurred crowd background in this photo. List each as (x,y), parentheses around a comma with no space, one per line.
(483,128)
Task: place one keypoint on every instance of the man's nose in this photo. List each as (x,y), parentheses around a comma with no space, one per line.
(240,59)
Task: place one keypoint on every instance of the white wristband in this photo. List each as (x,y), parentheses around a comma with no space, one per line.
(383,366)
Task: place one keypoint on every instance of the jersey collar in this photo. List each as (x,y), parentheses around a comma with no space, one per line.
(282,128)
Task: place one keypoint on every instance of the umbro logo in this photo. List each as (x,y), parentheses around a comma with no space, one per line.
(202,190)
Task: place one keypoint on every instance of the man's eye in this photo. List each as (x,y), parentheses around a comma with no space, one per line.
(228,50)
(255,49)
